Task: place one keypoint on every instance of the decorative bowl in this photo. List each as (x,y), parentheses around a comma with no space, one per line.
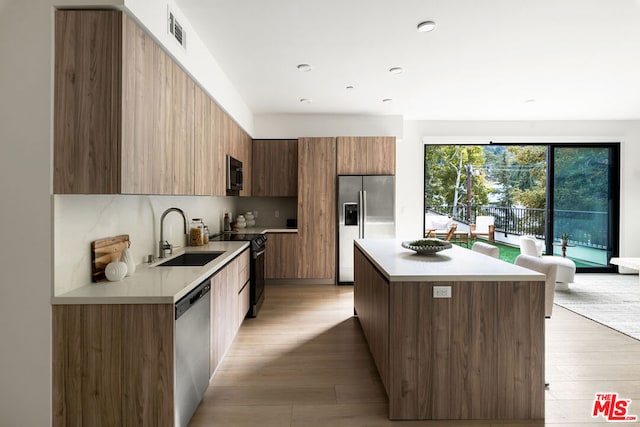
(427,246)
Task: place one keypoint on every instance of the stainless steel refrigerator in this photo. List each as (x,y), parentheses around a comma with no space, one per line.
(366,209)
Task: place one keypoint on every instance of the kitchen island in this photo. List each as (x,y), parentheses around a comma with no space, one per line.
(455,335)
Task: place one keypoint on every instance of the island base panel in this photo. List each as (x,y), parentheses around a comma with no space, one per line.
(476,355)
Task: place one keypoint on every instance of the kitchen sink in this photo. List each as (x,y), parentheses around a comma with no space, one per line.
(191,259)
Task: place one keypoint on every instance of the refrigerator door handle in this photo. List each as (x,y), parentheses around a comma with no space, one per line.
(363,210)
(360,216)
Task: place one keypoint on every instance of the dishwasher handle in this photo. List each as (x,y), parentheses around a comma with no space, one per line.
(192,297)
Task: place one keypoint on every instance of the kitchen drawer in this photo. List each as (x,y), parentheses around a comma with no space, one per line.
(244,269)
(243,303)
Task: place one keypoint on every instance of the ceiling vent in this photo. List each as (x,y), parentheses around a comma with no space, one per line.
(176,30)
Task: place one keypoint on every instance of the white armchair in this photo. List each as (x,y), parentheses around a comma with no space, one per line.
(436,225)
(550,272)
(486,249)
(531,246)
(484,226)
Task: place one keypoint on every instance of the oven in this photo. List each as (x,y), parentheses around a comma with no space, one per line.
(257,275)
(257,245)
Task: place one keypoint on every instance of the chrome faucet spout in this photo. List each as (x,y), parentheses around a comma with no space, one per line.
(163,245)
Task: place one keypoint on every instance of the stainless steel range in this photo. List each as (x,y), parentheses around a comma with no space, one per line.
(257,245)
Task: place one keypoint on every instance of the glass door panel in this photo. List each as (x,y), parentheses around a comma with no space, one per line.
(584,204)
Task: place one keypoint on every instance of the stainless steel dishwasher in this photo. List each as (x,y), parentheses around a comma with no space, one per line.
(192,351)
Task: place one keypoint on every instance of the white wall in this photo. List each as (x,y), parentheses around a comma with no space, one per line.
(81,219)
(410,180)
(278,126)
(26,49)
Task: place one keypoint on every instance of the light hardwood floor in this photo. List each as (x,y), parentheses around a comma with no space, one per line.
(304,362)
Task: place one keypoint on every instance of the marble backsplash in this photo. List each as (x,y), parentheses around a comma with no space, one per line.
(80,219)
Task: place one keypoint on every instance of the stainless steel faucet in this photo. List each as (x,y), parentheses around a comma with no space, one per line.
(164,245)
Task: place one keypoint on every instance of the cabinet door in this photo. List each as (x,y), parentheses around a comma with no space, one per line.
(209,161)
(219,318)
(371,300)
(316,207)
(282,256)
(87,101)
(366,155)
(243,287)
(174,118)
(246,157)
(352,155)
(381,155)
(139,152)
(180,147)
(275,167)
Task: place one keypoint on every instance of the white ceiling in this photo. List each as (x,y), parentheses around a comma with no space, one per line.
(578,59)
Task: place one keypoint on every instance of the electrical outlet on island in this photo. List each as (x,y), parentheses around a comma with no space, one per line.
(277,213)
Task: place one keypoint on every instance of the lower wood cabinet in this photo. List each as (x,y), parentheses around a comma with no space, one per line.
(372,305)
(114,364)
(229,297)
(282,256)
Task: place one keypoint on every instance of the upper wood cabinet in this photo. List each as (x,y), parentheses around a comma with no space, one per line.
(210,166)
(316,208)
(129,120)
(366,155)
(275,167)
(123,109)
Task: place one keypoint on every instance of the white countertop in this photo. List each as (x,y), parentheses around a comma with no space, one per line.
(398,264)
(154,285)
(263,230)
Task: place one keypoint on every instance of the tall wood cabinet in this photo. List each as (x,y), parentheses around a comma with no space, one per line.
(275,167)
(129,120)
(366,155)
(316,208)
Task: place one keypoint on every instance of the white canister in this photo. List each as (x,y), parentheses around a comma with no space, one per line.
(115,271)
(241,222)
(127,258)
(250,219)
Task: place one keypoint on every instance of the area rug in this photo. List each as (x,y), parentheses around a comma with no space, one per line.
(610,299)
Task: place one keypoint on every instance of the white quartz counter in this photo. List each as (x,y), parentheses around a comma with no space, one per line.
(154,285)
(398,264)
(263,230)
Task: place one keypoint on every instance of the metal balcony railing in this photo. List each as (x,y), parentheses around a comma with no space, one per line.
(589,229)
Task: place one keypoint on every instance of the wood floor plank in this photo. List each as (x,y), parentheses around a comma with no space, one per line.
(304,362)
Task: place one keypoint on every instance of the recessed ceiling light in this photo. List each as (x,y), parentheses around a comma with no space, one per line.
(529,101)
(426,26)
(387,100)
(304,67)
(305,100)
(396,70)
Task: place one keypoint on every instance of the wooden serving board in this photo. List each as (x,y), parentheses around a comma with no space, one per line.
(103,252)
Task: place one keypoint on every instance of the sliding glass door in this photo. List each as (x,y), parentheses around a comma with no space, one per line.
(542,190)
(583,203)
